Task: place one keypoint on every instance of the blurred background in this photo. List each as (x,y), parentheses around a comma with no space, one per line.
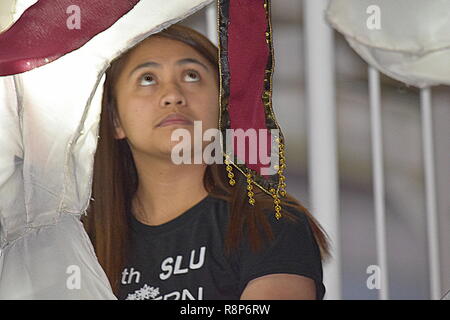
(405,205)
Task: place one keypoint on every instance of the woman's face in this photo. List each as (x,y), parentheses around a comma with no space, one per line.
(161,77)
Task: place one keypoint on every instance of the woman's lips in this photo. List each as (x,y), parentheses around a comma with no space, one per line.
(173,122)
(173,119)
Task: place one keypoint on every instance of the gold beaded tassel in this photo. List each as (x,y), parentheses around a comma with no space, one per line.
(276,202)
(232,182)
(282,178)
(282,184)
(250,193)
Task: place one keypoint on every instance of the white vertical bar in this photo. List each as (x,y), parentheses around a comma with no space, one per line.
(432,220)
(378,180)
(211,22)
(323,175)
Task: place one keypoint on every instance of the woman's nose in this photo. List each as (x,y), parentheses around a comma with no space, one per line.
(173,97)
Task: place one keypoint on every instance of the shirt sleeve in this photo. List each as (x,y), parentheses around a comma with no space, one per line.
(292,250)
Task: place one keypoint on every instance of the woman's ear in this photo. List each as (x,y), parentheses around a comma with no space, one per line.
(118,130)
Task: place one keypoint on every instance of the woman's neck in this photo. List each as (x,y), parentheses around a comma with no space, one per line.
(166,190)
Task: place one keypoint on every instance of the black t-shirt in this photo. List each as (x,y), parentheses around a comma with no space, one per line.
(184,258)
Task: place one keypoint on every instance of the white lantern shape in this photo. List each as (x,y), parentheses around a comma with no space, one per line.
(408,40)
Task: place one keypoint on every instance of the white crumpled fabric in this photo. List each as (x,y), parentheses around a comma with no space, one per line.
(49,121)
(11,10)
(413,43)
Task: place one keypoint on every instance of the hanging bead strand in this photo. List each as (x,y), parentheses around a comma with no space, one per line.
(250,193)
(229,168)
(276,202)
(282,178)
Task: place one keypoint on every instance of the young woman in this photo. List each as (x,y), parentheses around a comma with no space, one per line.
(168,231)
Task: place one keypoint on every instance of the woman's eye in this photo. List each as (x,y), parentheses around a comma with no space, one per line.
(146,79)
(192,76)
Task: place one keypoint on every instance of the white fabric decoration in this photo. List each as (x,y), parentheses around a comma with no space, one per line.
(49,120)
(408,40)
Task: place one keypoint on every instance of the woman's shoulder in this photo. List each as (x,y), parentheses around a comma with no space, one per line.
(292,249)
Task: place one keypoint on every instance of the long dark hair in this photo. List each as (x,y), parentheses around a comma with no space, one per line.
(115,181)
